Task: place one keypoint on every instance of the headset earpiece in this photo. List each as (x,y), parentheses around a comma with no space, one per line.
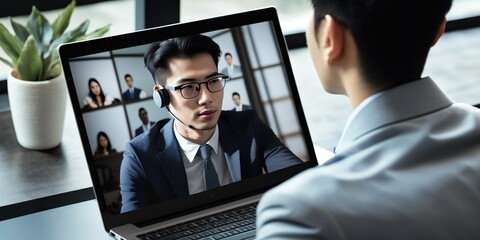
(161,97)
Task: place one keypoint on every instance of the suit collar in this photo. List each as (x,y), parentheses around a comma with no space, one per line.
(169,157)
(230,145)
(398,104)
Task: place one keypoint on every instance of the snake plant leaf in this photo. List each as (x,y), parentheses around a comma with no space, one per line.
(10,44)
(46,67)
(8,63)
(41,30)
(80,30)
(33,49)
(29,63)
(95,34)
(21,31)
(54,71)
(68,37)
(51,66)
(63,20)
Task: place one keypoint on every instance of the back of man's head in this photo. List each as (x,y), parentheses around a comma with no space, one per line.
(157,57)
(393,38)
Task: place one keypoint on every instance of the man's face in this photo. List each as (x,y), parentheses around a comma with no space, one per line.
(203,111)
(236,100)
(228,59)
(143,116)
(129,82)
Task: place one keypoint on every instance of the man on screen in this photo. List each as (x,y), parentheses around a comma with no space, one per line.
(132,93)
(146,124)
(238,103)
(231,70)
(169,161)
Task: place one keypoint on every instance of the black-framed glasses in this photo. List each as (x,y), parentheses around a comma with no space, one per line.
(192,89)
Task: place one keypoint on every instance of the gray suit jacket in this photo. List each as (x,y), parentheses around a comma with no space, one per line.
(408,167)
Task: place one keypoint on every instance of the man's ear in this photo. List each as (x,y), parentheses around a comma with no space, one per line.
(440,32)
(332,39)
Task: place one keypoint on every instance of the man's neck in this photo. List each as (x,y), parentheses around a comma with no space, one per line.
(357,88)
(194,135)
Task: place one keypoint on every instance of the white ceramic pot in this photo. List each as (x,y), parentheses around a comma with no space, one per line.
(38,111)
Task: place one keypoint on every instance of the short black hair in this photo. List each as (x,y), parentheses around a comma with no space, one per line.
(235,94)
(158,54)
(393,38)
(141,109)
(127,75)
(227,54)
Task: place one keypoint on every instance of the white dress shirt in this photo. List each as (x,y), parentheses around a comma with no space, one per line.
(194,164)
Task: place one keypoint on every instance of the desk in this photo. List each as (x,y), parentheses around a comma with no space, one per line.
(27,175)
(77,221)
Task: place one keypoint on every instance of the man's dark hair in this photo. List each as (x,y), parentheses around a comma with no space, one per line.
(127,75)
(235,94)
(141,109)
(227,54)
(393,37)
(157,56)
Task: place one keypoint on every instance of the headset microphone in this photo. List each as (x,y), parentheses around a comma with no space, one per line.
(188,125)
(161,97)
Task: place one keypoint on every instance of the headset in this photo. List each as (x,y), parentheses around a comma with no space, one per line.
(161,97)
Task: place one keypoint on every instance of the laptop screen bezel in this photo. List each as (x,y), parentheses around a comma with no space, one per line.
(203,200)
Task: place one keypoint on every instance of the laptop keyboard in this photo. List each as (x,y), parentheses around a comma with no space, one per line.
(236,221)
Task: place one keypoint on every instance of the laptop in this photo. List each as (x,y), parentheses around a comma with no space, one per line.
(264,80)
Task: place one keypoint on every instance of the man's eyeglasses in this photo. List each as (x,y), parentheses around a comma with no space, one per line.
(192,89)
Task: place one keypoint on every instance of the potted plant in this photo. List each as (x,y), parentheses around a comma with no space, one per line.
(36,86)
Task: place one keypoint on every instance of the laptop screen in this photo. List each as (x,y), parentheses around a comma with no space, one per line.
(112,96)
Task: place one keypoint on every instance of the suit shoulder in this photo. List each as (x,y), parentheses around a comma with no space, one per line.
(151,138)
(238,121)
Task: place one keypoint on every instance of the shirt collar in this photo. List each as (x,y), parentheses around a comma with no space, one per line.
(359,108)
(190,148)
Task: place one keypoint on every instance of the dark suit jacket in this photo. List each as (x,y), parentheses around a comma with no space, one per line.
(244,107)
(136,94)
(152,169)
(139,130)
